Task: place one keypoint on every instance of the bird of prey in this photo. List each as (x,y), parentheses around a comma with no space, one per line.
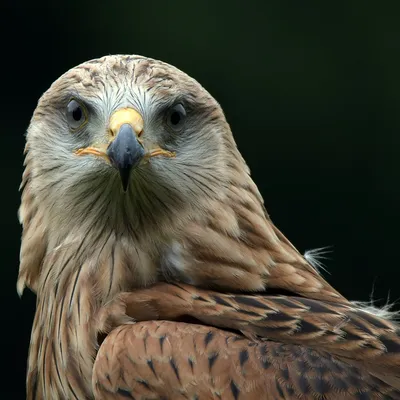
(157,270)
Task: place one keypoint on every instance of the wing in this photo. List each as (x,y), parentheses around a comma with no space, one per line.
(175,360)
(334,348)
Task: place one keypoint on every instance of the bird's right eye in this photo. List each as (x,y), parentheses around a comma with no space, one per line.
(76,114)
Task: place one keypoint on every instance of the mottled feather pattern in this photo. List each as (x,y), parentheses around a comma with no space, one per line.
(202,362)
(339,328)
(342,333)
(263,324)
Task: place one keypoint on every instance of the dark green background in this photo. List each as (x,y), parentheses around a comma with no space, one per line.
(311,90)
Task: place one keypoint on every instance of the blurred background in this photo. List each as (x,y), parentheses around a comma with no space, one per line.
(311,90)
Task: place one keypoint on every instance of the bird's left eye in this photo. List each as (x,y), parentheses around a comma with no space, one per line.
(76,114)
(176,116)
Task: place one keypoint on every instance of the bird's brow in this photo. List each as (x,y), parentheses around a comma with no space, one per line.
(63,99)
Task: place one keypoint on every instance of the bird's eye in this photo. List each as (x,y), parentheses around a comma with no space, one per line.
(76,114)
(176,116)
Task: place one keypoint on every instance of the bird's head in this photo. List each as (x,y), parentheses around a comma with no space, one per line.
(127,139)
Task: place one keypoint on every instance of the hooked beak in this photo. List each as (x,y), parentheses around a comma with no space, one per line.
(125,150)
(125,153)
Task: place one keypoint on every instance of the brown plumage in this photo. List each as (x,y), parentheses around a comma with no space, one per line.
(315,349)
(174,360)
(187,213)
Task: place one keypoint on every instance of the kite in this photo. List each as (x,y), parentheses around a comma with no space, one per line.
(157,270)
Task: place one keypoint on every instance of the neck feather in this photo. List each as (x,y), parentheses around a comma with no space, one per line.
(76,281)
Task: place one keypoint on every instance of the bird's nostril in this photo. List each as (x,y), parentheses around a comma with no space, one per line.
(112,133)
